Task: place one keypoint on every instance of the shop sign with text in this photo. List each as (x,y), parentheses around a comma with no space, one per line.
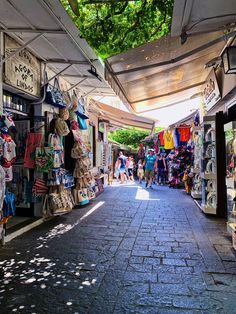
(211,93)
(23,69)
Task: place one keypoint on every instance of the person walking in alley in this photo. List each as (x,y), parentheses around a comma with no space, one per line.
(150,167)
(161,168)
(130,167)
(122,166)
(140,171)
(117,170)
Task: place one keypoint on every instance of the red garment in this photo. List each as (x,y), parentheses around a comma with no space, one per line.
(184,134)
(33,141)
(161,138)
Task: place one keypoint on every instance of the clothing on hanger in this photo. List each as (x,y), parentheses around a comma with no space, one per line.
(168,139)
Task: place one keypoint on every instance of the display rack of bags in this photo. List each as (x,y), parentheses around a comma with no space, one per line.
(85,183)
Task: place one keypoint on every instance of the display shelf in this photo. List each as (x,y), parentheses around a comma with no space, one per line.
(15,111)
(196,170)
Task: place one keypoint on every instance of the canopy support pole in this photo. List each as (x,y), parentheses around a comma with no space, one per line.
(57,74)
(20,49)
(77,84)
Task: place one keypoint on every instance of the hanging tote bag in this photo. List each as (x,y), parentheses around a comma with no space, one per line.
(54,95)
(33,140)
(81,110)
(55,141)
(82,123)
(81,196)
(44,158)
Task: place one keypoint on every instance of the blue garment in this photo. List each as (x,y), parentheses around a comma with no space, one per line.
(150,161)
(123,160)
(176,138)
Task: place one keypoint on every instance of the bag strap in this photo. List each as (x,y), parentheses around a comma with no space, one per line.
(56,84)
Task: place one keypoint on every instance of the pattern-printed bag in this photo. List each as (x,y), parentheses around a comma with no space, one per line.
(58,158)
(44,158)
(60,203)
(81,109)
(81,196)
(55,141)
(91,193)
(54,95)
(39,187)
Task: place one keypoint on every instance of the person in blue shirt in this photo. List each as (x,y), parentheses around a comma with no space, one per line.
(122,166)
(150,164)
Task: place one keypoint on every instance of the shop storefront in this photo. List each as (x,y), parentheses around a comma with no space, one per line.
(49,143)
(20,88)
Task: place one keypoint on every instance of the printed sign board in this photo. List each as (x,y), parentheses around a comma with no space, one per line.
(211,93)
(23,69)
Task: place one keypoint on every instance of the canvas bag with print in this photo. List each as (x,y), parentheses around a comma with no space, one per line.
(44,158)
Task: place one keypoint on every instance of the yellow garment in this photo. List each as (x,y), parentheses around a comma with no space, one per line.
(168,140)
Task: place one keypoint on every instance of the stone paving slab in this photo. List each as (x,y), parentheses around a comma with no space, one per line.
(140,251)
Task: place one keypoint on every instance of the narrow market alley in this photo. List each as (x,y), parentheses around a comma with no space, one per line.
(132,250)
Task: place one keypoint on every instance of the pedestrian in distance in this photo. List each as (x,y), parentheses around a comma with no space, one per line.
(122,166)
(130,168)
(161,168)
(140,171)
(150,167)
(117,170)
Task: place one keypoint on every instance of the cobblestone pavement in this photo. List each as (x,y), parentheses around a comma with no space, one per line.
(131,251)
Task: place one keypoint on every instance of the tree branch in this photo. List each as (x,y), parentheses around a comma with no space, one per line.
(74,6)
(137,22)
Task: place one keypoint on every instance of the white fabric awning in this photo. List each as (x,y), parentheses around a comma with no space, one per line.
(163,72)
(119,117)
(44,27)
(200,16)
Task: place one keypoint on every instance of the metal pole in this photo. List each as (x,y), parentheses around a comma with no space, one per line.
(89,92)
(57,74)
(20,48)
(73,86)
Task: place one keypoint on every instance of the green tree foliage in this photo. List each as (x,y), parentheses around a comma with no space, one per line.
(131,136)
(114,26)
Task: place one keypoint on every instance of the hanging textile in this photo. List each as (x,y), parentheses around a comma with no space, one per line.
(161,138)
(176,137)
(184,134)
(33,140)
(168,139)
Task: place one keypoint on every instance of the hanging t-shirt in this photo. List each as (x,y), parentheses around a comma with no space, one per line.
(168,138)
(184,134)
(176,137)
(161,138)
(9,153)
(150,162)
